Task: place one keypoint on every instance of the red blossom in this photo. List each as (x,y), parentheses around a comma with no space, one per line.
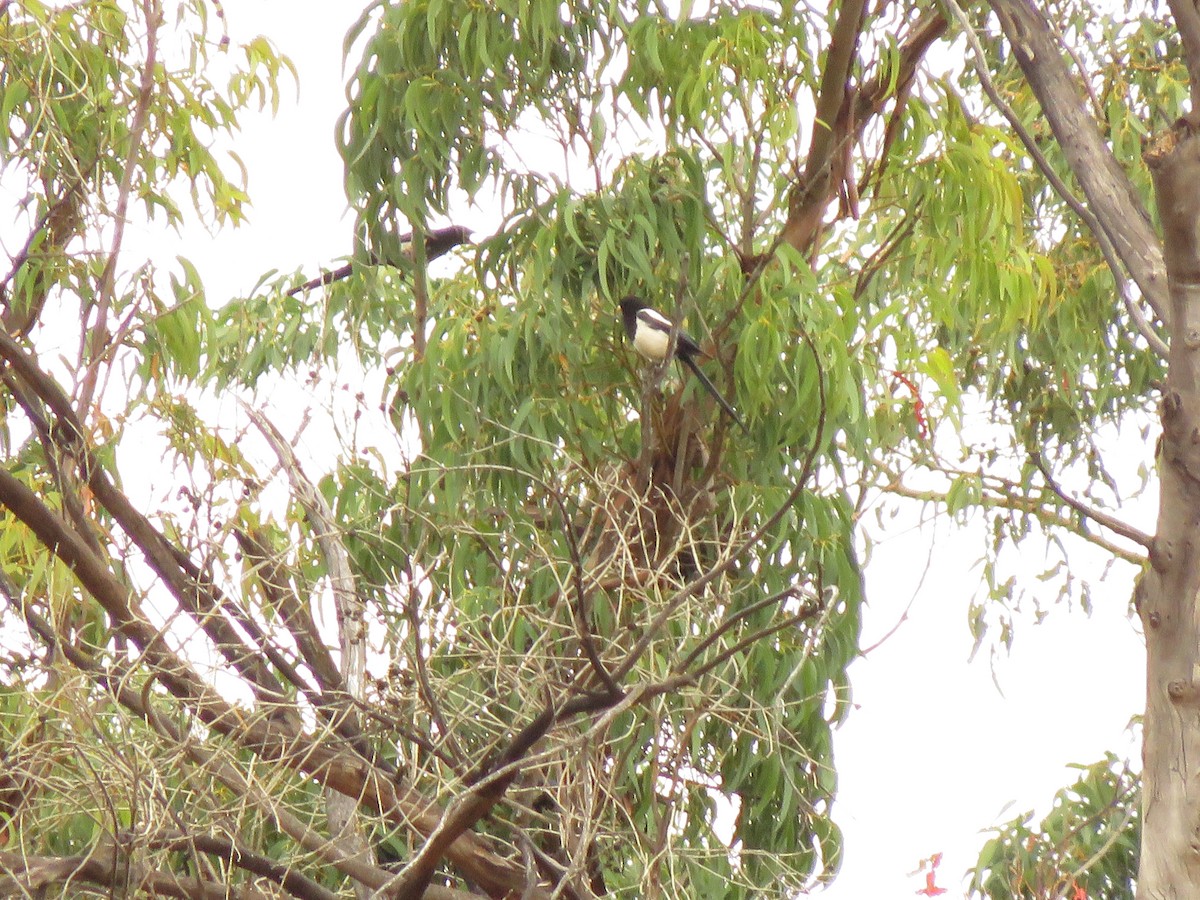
(931,889)
(918,403)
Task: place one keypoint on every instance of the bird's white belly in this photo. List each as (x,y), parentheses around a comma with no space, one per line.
(651,343)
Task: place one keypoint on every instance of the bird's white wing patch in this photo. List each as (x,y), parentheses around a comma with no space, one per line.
(654,318)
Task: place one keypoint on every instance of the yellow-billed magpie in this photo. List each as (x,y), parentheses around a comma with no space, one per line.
(438,242)
(650,333)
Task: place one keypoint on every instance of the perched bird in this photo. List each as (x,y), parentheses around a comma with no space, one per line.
(438,242)
(650,333)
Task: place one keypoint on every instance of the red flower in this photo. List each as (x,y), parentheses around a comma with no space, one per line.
(931,889)
(918,406)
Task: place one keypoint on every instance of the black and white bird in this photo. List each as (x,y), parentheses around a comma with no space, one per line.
(650,333)
(438,242)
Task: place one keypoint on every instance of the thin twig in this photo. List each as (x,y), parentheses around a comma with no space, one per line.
(425,687)
(751,639)
(730,621)
(1116,835)
(582,605)
(99,334)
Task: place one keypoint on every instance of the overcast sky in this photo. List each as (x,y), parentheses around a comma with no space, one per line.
(933,753)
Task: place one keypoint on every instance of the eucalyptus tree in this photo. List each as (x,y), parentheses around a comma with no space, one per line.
(541,623)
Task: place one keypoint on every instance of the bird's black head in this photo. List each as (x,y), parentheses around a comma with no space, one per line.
(631,305)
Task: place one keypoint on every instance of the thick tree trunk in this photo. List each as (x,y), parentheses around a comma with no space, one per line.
(1169,593)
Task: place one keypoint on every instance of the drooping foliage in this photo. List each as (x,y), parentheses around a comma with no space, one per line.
(1086,846)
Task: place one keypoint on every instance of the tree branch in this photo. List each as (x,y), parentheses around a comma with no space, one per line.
(340,769)
(1117,210)
(203,601)
(428,696)
(875,92)
(582,607)
(30,875)
(1029,506)
(730,622)
(829,153)
(807,612)
(1113,524)
(349,608)
(835,77)
(420,285)
(293,613)
(348,604)
(93,354)
(234,852)
(469,808)
(117,678)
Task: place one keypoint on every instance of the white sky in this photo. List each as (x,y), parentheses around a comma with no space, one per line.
(933,753)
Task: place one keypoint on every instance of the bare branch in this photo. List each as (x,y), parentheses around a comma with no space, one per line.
(456,757)
(1030,506)
(92,356)
(835,77)
(807,612)
(234,852)
(349,605)
(1113,524)
(187,583)
(875,92)
(340,769)
(582,606)
(469,808)
(104,865)
(293,612)
(341,810)
(730,622)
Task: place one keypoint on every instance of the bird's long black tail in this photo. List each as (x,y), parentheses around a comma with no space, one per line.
(712,389)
